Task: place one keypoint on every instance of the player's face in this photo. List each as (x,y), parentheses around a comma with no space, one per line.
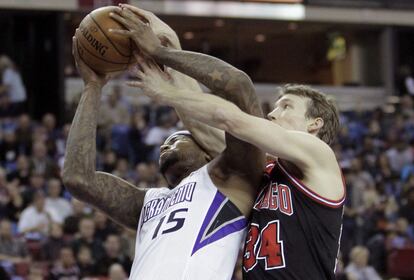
(290,111)
(180,154)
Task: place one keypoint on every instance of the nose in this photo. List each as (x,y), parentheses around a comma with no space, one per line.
(271,117)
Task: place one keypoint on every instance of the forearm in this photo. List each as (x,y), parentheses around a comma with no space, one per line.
(206,108)
(80,155)
(209,138)
(116,197)
(221,78)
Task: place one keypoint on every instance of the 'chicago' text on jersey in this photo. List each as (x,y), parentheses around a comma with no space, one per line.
(275,197)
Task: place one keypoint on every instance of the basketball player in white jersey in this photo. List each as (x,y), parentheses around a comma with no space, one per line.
(194,229)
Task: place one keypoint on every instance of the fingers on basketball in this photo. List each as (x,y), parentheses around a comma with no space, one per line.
(145,16)
(118,18)
(105,52)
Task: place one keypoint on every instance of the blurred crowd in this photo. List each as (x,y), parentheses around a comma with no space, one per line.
(46,234)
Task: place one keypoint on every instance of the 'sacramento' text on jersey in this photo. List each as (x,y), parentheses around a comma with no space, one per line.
(190,232)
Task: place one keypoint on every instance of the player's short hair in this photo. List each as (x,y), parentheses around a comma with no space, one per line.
(320,105)
(180,132)
(186,133)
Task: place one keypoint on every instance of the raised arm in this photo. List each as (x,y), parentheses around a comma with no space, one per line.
(221,78)
(209,138)
(117,198)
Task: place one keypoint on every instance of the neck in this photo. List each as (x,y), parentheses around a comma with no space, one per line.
(176,173)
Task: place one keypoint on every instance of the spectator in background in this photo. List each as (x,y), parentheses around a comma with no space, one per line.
(113,111)
(359,181)
(358,268)
(12,83)
(4,193)
(61,141)
(9,149)
(408,182)
(51,248)
(408,80)
(40,162)
(39,134)
(86,263)
(49,122)
(103,226)
(36,183)
(7,110)
(109,162)
(113,254)
(53,133)
(399,155)
(128,238)
(37,272)
(146,176)
(71,224)
(22,171)
(407,210)
(138,151)
(12,249)
(399,235)
(24,134)
(14,207)
(157,134)
(35,220)
(122,169)
(58,207)
(3,274)
(65,267)
(85,238)
(117,272)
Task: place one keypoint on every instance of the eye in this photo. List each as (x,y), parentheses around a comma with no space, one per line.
(286,106)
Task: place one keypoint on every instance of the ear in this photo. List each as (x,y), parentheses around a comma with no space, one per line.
(315,125)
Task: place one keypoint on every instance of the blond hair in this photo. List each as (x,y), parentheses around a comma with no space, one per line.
(319,106)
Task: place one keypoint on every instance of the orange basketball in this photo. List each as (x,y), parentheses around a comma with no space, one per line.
(101,50)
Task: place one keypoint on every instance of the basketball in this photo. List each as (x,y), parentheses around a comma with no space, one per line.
(101,50)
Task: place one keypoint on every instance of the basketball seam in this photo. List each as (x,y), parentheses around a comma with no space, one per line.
(109,40)
(100,58)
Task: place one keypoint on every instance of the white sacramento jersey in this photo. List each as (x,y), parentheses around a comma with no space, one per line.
(190,232)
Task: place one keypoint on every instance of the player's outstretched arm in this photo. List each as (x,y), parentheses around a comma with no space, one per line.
(209,138)
(112,195)
(241,163)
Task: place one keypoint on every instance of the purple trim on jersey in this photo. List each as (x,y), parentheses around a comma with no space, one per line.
(237,225)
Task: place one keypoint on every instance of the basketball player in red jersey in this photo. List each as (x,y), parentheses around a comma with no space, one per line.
(296,220)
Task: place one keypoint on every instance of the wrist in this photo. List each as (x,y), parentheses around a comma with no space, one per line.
(93,85)
(159,51)
(174,98)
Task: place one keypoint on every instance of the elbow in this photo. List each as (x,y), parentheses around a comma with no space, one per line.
(243,81)
(74,183)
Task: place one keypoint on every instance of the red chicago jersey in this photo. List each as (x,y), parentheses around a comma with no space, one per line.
(294,233)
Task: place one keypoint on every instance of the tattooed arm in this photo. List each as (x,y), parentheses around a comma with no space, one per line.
(209,138)
(117,198)
(225,81)
(239,158)
(237,170)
